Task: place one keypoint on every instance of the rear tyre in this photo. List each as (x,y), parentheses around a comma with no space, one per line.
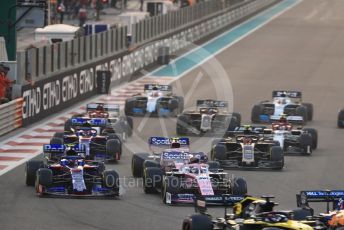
(31,168)
(302,111)
(233,123)
(310,109)
(197,222)
(301,214)
(219,152)
(56,141)
(238,117)
(257,110)
(314,135)
(128,107)
(113,149)
(137,163)
(239,186)
(306,142)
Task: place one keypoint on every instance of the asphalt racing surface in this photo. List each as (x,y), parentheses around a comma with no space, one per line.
(302,49)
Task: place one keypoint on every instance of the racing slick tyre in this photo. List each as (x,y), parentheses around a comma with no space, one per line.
(182,124)
(44,177)
(239,186)
(113,149)
(152,179)
(238,117)
(31,168)
(310,109)
(170,185)
(215,141)
(302,111)
(173,105)
(301,214)
(198,222)
(128,106)
(59,135)
(56,141)
(214,166)
(68,126)
(277,156)
(181,104)
(314,134)
(219,152)
(306,142)
(340,121)
(233,123)
(111,180)
(137,163)
(257,110)
(150,164)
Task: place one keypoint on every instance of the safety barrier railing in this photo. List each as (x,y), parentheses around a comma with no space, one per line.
(11,115)
(37,63)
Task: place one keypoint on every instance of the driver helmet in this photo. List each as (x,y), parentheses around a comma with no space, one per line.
(283,118)
(194,160)
(175,144)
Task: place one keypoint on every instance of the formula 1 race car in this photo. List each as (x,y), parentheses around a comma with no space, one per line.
(184,184)
(247,150)
(210,116)
(72,176)
(156,100)
(250,213)
(100,140)
(121,125)
(166,152)
(333,219)
(283,102)
(300,140)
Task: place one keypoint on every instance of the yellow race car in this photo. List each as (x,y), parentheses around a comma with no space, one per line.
(251,213)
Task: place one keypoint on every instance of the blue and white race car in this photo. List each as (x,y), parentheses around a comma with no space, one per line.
(72,175)
(284,102)
(156,100)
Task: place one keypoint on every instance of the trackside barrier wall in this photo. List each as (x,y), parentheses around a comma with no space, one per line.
(108,52)
(11,115)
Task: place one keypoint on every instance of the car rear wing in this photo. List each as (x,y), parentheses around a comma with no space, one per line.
(105,107)
(254,130)
(167,141)
(315,196)
(157,87)
(92,122)
(56,151)
(286,93)
(212,104)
